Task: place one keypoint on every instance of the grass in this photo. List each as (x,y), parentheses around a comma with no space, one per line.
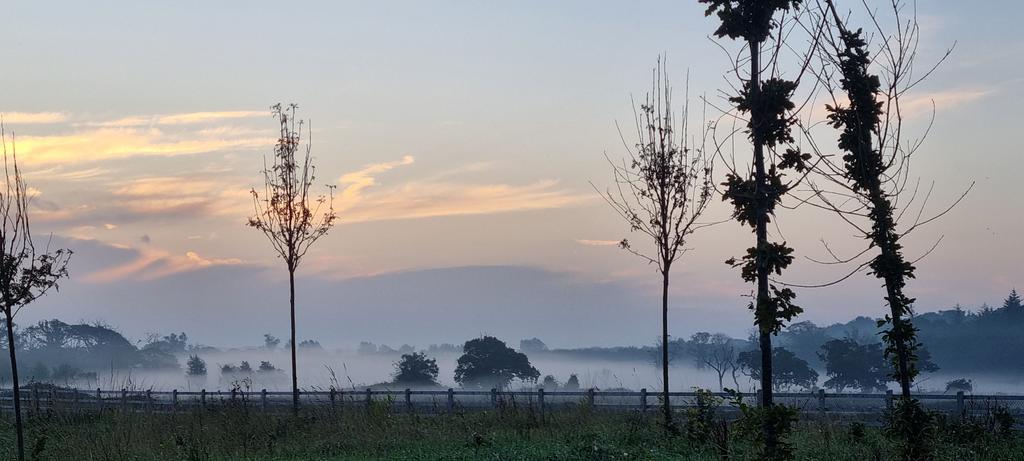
(231,433)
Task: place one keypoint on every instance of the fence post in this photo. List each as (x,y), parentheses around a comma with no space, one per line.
(758,398)
(149,400)
(174,401)
(202,398)
(369,398)
(35,398)
(408,399)
(333,397)
(77,407)
(540,401)
(233,391)
(961,409)
(99,400)
(124,400)
(590,397)
(494,397)
(643,400)
(821,399)
(451,400)
(51,404)
(888,400)
(263,400)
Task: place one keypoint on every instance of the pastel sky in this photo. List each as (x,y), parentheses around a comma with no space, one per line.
(463,137)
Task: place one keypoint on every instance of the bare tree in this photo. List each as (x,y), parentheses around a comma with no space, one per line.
(286,212)
(661,189)
(25,272)
(714,351)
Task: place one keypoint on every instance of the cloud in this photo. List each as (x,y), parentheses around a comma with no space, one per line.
(916,105)
(118,143)
(26,118)
(178,119)
(434,198)
(151,264)
(598,243)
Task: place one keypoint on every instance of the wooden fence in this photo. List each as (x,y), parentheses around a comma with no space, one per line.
(42,398)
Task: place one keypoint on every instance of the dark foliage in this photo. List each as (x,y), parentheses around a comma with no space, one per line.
(488,362)
(416,368)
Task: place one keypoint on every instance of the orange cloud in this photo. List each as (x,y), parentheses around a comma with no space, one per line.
(154,264)
(33,117)
(178,119)
(598,243)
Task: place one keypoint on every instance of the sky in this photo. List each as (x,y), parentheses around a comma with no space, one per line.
(466,140)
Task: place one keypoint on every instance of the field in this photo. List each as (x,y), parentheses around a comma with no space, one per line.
(237,433)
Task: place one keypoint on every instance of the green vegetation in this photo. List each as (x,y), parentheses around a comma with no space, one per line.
(235,433)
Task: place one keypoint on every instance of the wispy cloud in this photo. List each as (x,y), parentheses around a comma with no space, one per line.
(151,264)
(178,119)
(117,143)
(597,243)
(916,105)
(359,202)
(33,117)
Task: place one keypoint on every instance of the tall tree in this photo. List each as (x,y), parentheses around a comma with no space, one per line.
(287,213)
(26,273)
(766,99)
(874,174)
(661,190)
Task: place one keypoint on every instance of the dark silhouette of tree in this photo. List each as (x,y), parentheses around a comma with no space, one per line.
(532,345)
(417,369)
(196,366)
(287,213)
(26,273)
(549,382)
(850,365)
(487,361)
(766,98)
(1013,305)
(790,371)
(714,351)
(661,190)
(573,383)
(959,385)
(874,175)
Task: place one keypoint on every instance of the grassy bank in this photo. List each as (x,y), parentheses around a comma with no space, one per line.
(240,434)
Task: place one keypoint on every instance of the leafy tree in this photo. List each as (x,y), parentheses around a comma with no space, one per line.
(767,102)
(857,366)
(245,367)
(310,344)
(195,366)
(661,190)
(790,371)
(573,383)
(487,361)
(959,385)
(367,347)
(549,382)
(266,366)
(270,342)
(287,214)
(1012,305)
(25,272)
(532,345)
(416,368)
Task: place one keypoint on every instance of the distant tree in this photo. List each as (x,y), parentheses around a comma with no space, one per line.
(367,347)
(959,385)
(228,369)
(549,383)
(573,383)
(487,361)
(195,366)
(285,211)
(406,349)
(65,373)
(416,368)
(790,371)
(266,366)
(25,272)
(310,344)
(716,352)
(385,349)
(270,342)
(532,345)
(39,373)
(661,190)
(245,367)
(1012,305)
(850,365)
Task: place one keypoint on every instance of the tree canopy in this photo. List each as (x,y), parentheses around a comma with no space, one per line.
(488,362)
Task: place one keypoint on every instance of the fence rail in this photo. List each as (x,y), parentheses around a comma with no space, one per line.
(51,398)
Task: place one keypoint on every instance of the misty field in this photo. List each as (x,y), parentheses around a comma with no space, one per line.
(239,433)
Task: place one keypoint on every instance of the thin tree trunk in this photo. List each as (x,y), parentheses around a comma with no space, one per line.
(17,391)
(664,351)
(761,230)
(896,308)
(295,376)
